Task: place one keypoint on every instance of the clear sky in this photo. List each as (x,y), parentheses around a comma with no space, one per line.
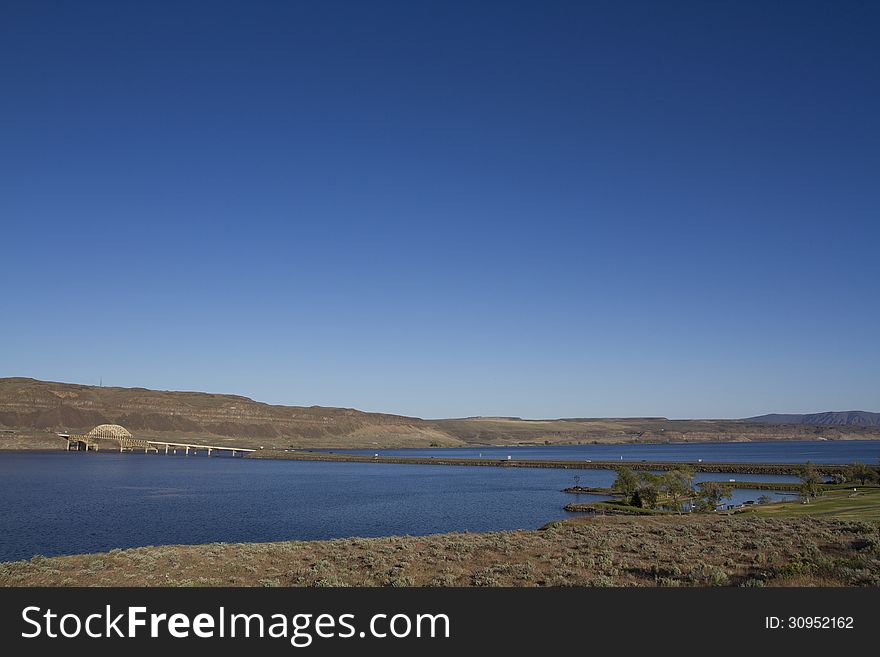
(446,208)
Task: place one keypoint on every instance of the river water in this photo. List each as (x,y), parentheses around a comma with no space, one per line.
(74,502)
(799,451)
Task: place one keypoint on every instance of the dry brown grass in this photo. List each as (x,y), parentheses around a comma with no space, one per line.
(662,551)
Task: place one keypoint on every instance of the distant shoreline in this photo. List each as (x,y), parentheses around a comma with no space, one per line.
(335,449)
(696,466)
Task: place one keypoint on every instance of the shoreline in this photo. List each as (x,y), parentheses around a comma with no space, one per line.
(328,456)
(773,510)
(689,550)
(45,448)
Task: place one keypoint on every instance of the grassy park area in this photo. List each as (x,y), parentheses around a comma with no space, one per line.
(846,504)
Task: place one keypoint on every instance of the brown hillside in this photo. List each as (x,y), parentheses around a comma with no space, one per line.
(31,411)
(36,409)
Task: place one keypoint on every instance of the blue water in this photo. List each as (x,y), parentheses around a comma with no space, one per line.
(799,451)
(74,502)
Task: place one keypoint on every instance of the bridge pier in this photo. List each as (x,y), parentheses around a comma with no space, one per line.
(187,450)
(209,451)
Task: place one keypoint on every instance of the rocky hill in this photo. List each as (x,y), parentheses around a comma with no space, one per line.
(827,419)
(31,411)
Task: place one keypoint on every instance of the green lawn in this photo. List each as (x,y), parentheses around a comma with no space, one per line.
(838,503)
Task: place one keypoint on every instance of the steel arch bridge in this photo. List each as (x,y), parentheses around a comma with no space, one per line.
(116,436)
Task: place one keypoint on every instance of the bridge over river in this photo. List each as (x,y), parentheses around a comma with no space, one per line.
(118,438)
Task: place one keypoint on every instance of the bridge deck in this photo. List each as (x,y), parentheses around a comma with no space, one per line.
(200,446)
(87,443)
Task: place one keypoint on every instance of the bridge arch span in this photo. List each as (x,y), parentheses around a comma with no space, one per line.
(111,432)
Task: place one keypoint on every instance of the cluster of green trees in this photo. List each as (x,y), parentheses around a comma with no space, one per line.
(858,472)
(673,489)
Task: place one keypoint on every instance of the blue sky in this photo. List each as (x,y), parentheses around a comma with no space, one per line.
(446,208)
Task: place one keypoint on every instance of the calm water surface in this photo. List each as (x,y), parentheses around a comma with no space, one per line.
(73,502)
(798,451)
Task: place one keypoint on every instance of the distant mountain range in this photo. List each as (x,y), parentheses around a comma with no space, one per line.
(829,418)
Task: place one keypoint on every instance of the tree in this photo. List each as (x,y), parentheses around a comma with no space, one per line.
(765,499)
(811,482)
(860,472)
(649,489)
(678,486)
(710,495)
(636,500)
(626,484)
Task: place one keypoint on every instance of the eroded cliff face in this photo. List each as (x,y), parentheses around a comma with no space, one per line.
(31,411)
